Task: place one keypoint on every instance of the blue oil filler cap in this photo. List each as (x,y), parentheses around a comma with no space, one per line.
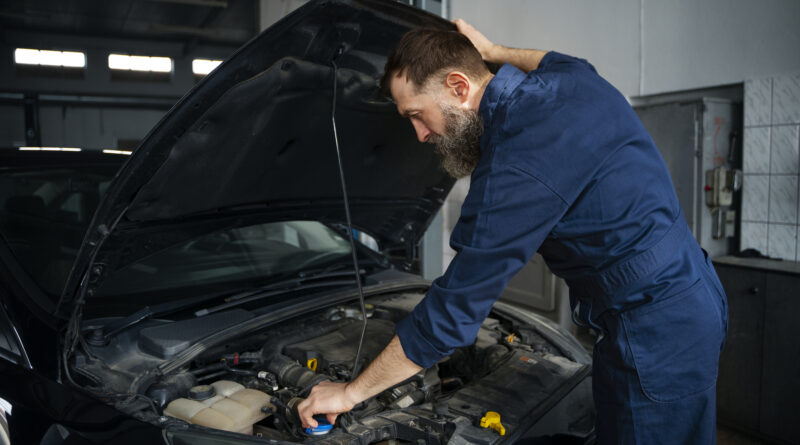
(323,427)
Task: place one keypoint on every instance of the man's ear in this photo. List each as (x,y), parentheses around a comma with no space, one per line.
(457,83)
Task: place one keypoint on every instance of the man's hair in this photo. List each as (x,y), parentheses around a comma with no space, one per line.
(422,53)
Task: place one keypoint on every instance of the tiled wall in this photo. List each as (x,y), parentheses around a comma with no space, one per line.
(771,165)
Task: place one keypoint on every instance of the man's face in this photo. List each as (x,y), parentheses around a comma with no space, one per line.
(440,118)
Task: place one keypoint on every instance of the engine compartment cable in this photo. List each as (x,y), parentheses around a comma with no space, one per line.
(355,371)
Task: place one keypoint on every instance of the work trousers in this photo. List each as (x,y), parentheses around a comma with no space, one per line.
(655,364)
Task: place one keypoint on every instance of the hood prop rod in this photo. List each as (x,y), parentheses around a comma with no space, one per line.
(354,374)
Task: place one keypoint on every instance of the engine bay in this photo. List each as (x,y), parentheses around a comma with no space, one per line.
(252,385)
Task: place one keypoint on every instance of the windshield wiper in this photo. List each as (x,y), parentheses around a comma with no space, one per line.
(304,280)
(102,334)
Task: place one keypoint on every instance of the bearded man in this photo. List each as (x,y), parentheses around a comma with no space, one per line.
(559,163)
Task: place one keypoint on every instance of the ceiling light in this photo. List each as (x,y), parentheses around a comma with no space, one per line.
(139,63)
(49,149)
(71,59)
(204,66)
(117,152)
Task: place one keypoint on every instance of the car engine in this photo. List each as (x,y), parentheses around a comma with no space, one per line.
(253,385)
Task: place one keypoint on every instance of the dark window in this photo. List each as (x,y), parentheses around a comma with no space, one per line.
(44,214)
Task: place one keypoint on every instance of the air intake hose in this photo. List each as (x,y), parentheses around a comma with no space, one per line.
(290,373)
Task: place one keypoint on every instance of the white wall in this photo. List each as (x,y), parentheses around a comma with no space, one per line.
(652,46)
(604,32)
(691,44)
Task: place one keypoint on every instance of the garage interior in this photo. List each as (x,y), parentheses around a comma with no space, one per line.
(716,83)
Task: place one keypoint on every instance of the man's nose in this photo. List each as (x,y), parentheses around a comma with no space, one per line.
(423,133)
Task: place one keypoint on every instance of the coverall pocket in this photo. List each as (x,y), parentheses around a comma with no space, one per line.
(675,343)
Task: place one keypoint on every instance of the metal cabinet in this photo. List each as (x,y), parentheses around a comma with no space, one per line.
(739,381)
(693,137)
(780,387)
(758,388)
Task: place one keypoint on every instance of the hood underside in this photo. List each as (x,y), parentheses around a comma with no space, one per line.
(253,141)
(268,143)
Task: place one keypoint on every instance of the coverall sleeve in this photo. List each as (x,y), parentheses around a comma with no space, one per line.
(505,218)
(557,62)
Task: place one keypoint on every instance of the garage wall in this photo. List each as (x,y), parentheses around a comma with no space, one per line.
(95,128)
(652,46)
(12,130)
(692,44)
(606,33)
(85,126)
(92,110)
(97,79)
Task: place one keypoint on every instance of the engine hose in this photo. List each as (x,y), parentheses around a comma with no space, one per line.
(212,375)
(246,357)
(238,371)
(289,373)
(209,368)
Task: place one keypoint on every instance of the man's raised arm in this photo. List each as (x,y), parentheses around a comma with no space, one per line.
(524,59)
(389,368)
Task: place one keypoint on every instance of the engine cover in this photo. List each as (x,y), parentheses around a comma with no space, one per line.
(339,347)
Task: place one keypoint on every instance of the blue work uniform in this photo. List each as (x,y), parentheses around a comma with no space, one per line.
(567,169)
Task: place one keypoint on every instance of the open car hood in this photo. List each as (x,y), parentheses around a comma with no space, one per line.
(253,141)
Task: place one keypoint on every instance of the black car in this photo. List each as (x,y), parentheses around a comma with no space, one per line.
(194,292)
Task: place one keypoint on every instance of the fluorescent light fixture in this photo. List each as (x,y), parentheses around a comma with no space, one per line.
(139,63)
(117,152)
(71,59)
(204,66)
(49,149)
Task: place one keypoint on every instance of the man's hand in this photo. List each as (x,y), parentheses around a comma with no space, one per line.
(328,398)
(484,45)
(524,59)
(388,369)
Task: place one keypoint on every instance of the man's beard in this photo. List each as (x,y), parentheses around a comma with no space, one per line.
(460,145)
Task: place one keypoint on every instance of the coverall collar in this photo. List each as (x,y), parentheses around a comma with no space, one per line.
(507,79)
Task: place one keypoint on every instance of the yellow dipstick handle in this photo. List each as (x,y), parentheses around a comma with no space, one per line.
(312,364)
(492,420)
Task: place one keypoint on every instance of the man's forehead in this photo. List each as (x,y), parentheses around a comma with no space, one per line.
(400,86)
(406,96)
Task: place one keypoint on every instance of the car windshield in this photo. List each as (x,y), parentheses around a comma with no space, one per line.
(236,255)
(44,214)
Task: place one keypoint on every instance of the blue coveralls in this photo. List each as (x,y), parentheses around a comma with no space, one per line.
(568,169)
